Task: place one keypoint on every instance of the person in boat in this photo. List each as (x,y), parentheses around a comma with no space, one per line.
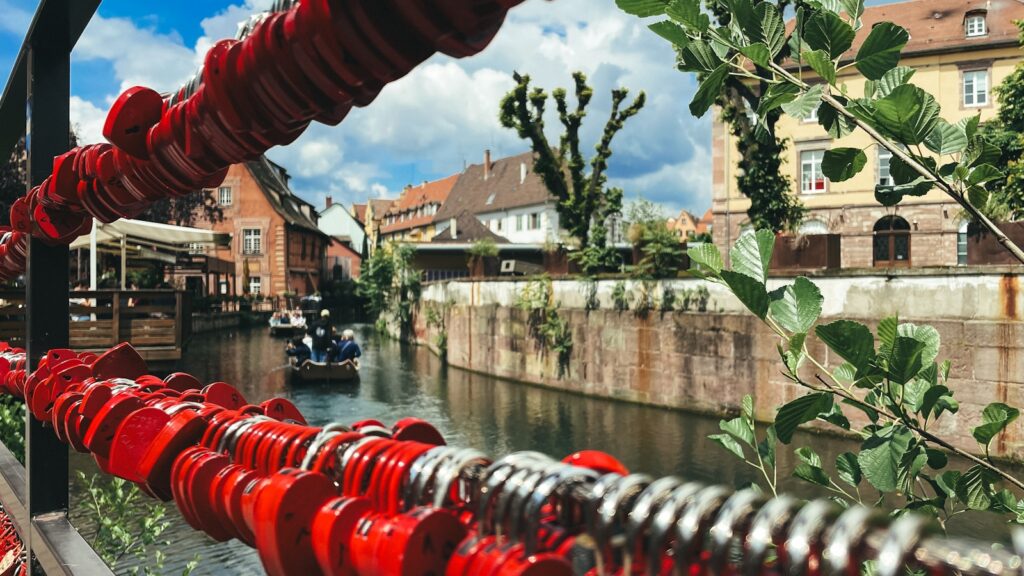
(283,317)
(346,348)
(297,349)
(322,333)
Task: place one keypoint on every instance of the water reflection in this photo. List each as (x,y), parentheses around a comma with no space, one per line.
(480,411)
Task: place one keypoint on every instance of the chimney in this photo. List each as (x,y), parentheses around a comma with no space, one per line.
(452,226)
(487,164)
(522,172)
(329,201)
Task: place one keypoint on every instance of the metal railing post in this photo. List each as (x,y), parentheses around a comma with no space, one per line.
(46,277)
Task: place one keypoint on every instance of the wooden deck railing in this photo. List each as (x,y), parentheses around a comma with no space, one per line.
(156,322)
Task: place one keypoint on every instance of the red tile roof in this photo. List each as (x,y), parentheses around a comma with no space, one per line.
(359,212)
(414,197)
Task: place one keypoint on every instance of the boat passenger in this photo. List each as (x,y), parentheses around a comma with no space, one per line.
(348,350)
(323,335)
(298,349)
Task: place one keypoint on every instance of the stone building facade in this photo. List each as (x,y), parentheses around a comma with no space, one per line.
(960,51)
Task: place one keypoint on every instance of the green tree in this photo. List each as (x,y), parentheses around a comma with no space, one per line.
(660,249)
(759,175)
(584,202)
(1006,201)
(186,210)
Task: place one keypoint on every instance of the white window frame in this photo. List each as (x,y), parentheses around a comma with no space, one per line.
(884,158)
(252,241)
(255,285)
(535,223)
(961,244)
(975,25)
(225,196)
(979,93)
(812,159)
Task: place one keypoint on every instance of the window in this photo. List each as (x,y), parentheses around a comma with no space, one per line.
(498,224)
(224,195)
(252,241)
(255,284)
(884,157)
(976,88)
(520,220)
(535,221)
(891,244)
(196,248)
(975,25)
(813,226)
(812,117)
(303,247)
(812,180)
(961,245)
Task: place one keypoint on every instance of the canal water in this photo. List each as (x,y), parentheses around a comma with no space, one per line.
(480,411)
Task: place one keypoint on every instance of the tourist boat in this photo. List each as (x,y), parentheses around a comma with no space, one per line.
(310,371)
(290,328)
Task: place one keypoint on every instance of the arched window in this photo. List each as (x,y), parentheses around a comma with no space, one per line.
(961,244)
(813,226)
(892,242)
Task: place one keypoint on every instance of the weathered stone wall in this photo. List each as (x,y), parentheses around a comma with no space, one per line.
(707,361)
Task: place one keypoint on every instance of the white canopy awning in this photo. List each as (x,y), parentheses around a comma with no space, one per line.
(164,235)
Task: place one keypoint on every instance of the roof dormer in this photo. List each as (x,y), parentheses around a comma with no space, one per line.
(975,24)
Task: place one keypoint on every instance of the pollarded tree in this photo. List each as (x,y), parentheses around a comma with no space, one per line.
(584,202)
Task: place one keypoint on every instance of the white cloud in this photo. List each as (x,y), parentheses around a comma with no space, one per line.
(140,56)
(87,121)
(317,157)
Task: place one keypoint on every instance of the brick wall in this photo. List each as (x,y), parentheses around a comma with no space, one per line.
(707,361)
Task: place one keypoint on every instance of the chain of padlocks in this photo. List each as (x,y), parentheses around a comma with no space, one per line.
(369,500)
(302,61)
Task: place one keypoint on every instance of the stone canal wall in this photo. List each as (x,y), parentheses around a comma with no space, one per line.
(706,359)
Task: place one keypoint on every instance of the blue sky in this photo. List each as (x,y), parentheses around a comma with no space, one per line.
(434,121)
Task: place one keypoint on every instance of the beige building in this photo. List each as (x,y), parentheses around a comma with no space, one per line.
(960,50)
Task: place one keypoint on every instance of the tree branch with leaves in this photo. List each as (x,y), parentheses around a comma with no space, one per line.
(928,152)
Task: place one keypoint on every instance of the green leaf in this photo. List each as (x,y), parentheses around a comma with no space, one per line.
(937,459)
(893,195)
(800,411)
(970,125)
(777,95)
(827,32)
(752,254)
(901,172)
(836,124)
(854,8)
(925,334)
(812,474)
(905,362)
(882,87)
(947,481)
(994,419)
(804,104)
(671,32)
(820,62)
(698,56)
(946,138)
(758,54)
(709,90)
(880,51)
(794,357)
(908,113)
(852,341)
(935,400)
(845,372)
(841,164)
(978,196)
(974,487)
(747,408)
(750,292)
(642,8)
(729,443)
(766,448)
(848,469)
(799,307)
(880,457)
(688,13)
(739,428)
(807,455)
(984,174)
(982,152)
(742,13)
(707,256)
(773,28)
